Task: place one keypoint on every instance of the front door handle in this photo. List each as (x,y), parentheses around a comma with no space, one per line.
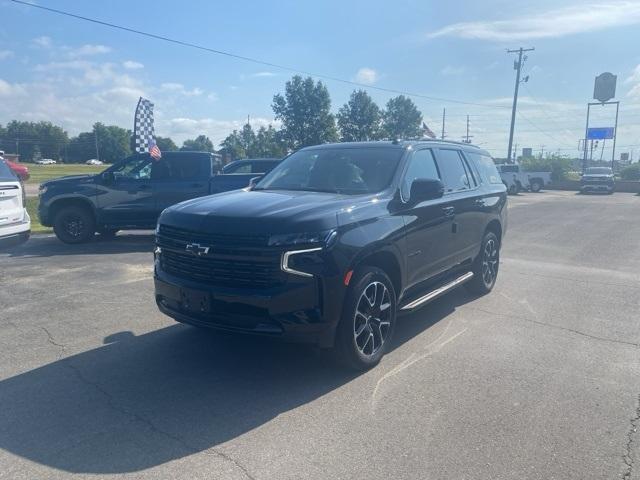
(448,211)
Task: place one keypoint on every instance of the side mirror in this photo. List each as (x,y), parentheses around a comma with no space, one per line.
(426,189)
(253,182)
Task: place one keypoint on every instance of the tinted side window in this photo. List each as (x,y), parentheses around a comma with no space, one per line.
(454,175)
(421,165)
(486,167)
(262,167)
(137,167)
(6,174)
(180,167)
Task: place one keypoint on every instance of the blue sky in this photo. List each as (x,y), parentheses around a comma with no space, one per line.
(75,73)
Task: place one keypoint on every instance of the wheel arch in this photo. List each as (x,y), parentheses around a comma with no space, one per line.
(387,261)
(60,203)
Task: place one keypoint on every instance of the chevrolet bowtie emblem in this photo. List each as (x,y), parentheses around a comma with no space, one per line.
(197,249)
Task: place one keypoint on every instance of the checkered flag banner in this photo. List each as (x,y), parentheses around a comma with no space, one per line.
(143,126)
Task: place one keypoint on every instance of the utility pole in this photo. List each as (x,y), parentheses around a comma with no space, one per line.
(444,114)
(542,150)
(517,65)
(17,147)
(95,136)
(467,138)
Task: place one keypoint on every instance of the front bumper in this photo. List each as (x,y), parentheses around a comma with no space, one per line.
(597,187)
(297,310)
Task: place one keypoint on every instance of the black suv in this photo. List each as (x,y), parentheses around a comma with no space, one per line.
(336,240)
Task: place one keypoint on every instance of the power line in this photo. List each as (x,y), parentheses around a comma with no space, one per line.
(252,60)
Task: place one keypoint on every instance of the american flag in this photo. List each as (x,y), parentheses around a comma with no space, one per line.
(154,150)
(427,131)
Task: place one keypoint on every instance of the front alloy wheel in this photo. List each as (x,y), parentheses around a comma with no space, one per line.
(368,319)
(372,320)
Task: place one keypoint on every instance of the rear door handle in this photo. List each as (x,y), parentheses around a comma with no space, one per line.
(449,211)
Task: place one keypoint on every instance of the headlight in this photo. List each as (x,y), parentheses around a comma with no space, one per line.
(306,238)
(301,262)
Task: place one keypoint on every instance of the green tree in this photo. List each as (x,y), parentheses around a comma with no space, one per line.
(36,156)
(81,148)
(305,112)
(631,172)
(165,144)
(201,143)
(360,118)
(232,146)
(401,118)
(269,143)
(22,137)
(113,142)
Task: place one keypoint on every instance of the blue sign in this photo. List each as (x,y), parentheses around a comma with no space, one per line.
(600,133)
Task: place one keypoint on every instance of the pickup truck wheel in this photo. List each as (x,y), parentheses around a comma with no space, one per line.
(485,266)
(368,320)
(535,186)
(74,224)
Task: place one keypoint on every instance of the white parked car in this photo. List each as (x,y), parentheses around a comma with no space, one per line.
(46,161)
(516,179)
(94,161)
(15,224)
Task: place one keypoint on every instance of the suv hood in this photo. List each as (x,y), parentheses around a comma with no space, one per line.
(260,212)
(68,179)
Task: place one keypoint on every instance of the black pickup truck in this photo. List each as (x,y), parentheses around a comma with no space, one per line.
(335,240)
(131,193)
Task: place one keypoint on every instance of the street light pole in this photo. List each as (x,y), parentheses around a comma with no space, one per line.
(518,67)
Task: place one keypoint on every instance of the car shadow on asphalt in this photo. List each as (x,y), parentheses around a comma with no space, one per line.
(141,401)
(49,246)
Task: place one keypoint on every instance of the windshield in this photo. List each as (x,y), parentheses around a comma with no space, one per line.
(337,170)
(599,171)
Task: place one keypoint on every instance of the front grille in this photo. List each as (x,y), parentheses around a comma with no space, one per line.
(233,261)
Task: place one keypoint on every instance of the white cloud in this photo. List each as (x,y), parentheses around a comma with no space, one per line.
(132,65)
(558,22)
(88,50)
(7,89)
(43,42)
(634,81)
(4,54)
(263,74)
(180,89)
(367,76)
(451,70)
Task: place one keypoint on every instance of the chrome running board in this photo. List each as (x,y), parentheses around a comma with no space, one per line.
(438,291)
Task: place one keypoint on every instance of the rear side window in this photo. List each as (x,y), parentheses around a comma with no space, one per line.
(453,171)
(6,174)
(181,167)
(262,167)
(486,167)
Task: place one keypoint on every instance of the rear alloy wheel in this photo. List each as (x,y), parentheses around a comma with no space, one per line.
(368,320)
(74,225)
(485,266)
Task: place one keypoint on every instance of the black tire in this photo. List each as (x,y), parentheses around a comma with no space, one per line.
(535,186)
(363,324)
(513,189)
(485,266)
(74,224)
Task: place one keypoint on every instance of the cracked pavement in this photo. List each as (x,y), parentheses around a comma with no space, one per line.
(539,380)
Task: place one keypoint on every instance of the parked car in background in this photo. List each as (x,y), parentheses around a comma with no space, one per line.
(332,243)
(129,194)
(46,161)
(22,171)
(94,161)
(240,173)
(15,224)
(597,179)
(517,179)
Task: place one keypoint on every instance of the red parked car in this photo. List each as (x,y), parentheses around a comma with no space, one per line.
(20,170)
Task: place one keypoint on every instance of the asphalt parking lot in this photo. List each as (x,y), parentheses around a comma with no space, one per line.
(538,380)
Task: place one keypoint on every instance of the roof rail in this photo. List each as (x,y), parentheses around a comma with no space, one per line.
(454,142)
